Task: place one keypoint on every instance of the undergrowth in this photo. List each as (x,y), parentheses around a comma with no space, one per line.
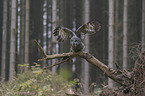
(37,82)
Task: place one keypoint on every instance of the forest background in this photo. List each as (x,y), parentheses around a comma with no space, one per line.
(119,41)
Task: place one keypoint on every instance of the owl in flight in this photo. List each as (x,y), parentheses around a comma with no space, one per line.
(77,45)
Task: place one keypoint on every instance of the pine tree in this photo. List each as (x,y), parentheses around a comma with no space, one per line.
(4,40)
(27,33)
(12,39)
(143,26)
(85,65)
(125,35)
(111,36)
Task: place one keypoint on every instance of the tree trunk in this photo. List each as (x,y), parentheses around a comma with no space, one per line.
(12,40)
(4,40)
(111,36)
(54,12)
(116,35)
(18,38)
(125,35)
(26,60)
(116,30)
(22,31)
(49,36)
(143,26)
(85,67)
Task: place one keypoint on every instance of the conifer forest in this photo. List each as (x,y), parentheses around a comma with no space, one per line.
(72,47)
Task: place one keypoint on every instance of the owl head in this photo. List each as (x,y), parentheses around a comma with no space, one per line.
(75,41)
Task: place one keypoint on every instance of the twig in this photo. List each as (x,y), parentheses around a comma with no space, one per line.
(42,59)
(40,48)
(57,63)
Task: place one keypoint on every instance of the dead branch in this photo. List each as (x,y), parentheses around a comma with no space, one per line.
(40,48)
(57,63)
(120,78)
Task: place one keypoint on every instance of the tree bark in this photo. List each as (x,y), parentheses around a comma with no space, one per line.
(111,36)
(54,12)
(143,26)
(125,35)
(116,30)
(4,40)
(12,40)
(22,31)
(27,33)
(85,68)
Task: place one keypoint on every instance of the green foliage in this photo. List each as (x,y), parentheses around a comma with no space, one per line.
(34,82)
(37,82)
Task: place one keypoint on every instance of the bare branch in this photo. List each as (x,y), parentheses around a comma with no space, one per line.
(40,48)
(91,59)
(55,56)
(57,63)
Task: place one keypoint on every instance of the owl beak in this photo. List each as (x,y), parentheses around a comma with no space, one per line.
(74,44)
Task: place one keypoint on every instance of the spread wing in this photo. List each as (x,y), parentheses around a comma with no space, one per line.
(90,27)
(63,33)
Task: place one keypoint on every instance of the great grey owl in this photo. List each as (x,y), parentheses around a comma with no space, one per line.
(77,45)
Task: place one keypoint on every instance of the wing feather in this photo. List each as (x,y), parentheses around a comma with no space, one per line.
(90,27)
(63,33)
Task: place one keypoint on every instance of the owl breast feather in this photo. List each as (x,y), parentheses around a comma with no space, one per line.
(77,48)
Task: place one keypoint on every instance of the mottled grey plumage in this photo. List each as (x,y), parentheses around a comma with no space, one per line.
(77,45)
